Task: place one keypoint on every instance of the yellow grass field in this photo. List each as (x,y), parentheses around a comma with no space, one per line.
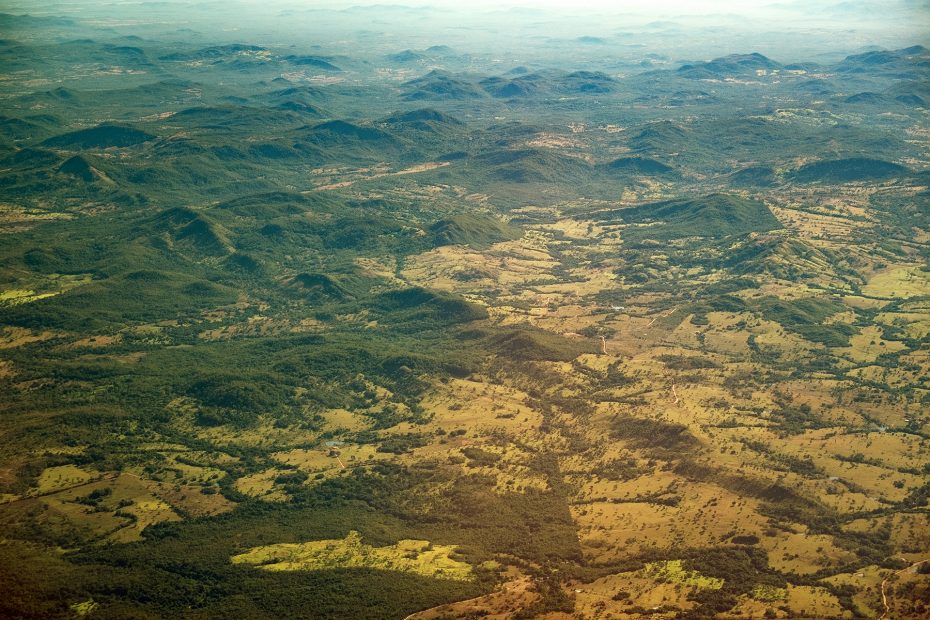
(419,557)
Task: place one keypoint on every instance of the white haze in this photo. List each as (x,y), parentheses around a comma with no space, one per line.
(792,30)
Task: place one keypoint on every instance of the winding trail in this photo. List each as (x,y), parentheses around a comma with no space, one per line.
(884,616)
(660,316)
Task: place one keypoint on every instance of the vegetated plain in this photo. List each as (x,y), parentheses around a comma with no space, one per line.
(291,333)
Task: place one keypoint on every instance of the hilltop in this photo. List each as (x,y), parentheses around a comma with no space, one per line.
(716,215)
(100,137)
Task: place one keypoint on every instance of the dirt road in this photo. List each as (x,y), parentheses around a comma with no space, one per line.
(884,616)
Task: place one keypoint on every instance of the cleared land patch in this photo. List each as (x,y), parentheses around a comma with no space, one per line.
(412,556)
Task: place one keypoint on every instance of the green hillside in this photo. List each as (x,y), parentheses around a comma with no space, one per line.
(715,215)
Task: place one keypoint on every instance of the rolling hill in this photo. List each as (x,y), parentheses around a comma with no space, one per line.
(715,215)
(100,137)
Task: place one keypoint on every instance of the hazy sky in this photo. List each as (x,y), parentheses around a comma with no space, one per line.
(789,29)
(664,6)
(876,12)
(612,6)
(878,7)
(676,6)
(829,14)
